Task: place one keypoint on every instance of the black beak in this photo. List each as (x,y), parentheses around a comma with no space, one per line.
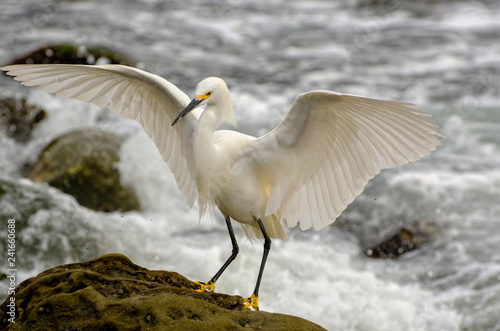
(192,105)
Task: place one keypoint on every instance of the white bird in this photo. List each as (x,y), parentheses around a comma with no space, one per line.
(306,171)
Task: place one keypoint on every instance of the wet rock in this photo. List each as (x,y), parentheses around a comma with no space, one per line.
(73,54)
(405,239)
(112,293)
(82,164)
(17,118)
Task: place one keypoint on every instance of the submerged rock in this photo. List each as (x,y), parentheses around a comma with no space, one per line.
(112,293)
(17,118)
(405,239)
(2,192)
(82,164)
(73,54)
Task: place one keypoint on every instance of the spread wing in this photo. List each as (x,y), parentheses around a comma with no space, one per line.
(149,99)
(322,155)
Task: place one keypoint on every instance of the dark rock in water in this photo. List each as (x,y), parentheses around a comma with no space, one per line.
(405,239)
(82,164)
(73,54)
(2,192)
(17,118)
(112,293)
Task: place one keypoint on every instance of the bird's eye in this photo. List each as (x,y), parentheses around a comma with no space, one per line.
(208,94)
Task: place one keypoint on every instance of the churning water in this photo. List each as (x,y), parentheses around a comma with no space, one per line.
(445,56)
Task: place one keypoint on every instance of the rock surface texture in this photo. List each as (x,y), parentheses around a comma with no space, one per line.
(82,163)
(112,293)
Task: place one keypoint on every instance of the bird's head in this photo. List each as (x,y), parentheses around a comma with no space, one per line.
(211,91)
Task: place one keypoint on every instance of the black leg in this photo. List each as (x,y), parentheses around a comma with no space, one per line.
(267,247)
(210,285)
(253,301)
(236,249)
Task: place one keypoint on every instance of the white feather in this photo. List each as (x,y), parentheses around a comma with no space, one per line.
(139,95)
(333,144)
(306,171)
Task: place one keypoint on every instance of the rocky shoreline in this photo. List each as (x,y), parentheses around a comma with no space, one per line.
(113,293)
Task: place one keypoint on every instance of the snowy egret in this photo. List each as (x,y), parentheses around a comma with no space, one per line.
(306,171)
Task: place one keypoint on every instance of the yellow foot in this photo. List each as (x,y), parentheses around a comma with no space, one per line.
(252,302)
(205,286)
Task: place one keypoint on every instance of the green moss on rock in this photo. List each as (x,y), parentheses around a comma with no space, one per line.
(112,293)
(82,164)
(73,54)
(403,240)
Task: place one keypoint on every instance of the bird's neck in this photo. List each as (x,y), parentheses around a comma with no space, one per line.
(204,146)
(207,160)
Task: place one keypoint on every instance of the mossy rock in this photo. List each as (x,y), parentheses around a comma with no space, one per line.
(403,240)
(18,118)
(112,293)
(73,54)
(82,164)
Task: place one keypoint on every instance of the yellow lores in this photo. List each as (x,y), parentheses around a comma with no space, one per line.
(305,172)
(204,96)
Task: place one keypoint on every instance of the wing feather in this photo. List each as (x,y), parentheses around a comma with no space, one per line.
(329,146)
(325,172)
(149,99)
(305,220)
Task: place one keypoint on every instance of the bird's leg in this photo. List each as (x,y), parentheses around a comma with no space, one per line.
(253,301)
(209,286)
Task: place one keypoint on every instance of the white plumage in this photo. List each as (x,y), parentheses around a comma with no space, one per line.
(306,171)
(139,95)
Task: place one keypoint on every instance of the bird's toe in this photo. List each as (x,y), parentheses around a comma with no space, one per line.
(205,287)
(252,302)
